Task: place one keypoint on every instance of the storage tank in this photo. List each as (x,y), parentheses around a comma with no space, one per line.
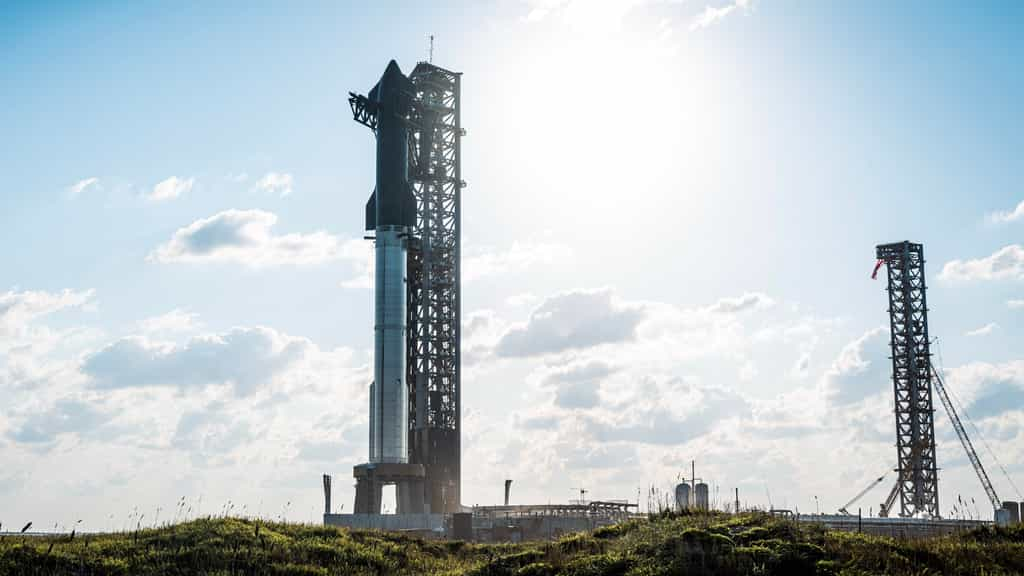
(1002,517)
(682,496)
(701,496)
(1014,510)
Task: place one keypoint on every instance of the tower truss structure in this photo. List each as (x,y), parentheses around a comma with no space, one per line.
(917,476)
(434,302)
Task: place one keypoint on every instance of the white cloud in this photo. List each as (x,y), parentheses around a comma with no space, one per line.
(577,385)
(174,322)
(748,301)
(362,258)
(526,299)
(987,389)
(81,186)
(215,409)
(1003,217)
(19,308)
(279,183)
(984,330)
(643,396)
(245,237)
(665,413)
(485,262)
(275,410)
(66,415)
(1005,263)
(801,366)
(712,15)
(27,342)
(861,369)
(476,322)
(1015,304)
(572,320)
(170,188)
(657,408)
(246,358)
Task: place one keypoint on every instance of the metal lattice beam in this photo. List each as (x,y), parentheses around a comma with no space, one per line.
(434,284)
(917,476)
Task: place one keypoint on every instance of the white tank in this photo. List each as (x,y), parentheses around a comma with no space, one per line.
(682,496)
(700,493)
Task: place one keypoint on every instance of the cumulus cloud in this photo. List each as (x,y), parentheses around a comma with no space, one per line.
(29,345)
(212,431)
(860,370)
(126,410)
(1005,263)
(570,321)
(245,237)
(175,321)
(247,358)
(988,389)
(984,330)
(577,385)
(476,322)
(170,188)
(801,366)
(65,416)
(666,413)
(1003,217)
(998,397)
(81,186)
(279,183)
(712,15)
(748,301)
(589,455)
(587,371)
(19,308)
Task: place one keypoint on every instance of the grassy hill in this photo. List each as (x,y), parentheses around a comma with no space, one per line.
(694,544)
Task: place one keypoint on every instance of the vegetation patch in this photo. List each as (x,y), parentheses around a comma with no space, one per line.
(661,545)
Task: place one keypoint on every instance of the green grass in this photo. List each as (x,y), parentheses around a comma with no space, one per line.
(712,544)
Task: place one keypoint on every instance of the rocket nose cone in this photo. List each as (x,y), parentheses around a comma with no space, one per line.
(393,79)
(393,69)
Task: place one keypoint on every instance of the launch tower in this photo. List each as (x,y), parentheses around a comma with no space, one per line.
(917,477)
(414,211)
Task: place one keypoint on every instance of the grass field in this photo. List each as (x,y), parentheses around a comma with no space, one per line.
(715,544)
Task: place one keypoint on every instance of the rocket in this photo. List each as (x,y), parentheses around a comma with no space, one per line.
(391,214)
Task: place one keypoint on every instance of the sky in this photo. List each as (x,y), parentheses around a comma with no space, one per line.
(669,227)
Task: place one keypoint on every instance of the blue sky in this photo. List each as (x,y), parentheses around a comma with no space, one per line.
(183,300)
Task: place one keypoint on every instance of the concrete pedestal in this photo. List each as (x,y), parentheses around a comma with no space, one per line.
(409,487)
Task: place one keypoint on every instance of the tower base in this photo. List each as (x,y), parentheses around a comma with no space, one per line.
(409,487)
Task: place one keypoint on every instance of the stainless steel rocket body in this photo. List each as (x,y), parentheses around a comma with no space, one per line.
(390,212)
(389,397)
